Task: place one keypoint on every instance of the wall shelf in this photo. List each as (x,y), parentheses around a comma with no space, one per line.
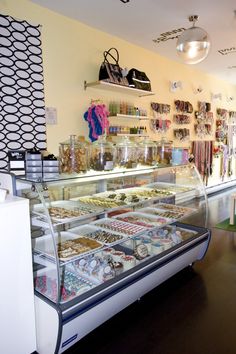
(134,135)
(129,116)
(103,85)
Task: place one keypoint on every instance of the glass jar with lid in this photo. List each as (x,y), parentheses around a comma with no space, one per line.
(73,156)
(147,152)
(102,155)
(164,151)
(127,153)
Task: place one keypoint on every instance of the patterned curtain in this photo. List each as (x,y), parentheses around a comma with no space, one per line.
(22,107)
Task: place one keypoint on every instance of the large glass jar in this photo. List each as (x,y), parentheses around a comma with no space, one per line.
(164,151)
(73,156)
(127,153)
(102,155)
(147,152)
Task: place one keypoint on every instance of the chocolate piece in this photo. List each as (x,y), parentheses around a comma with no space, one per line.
(141,251)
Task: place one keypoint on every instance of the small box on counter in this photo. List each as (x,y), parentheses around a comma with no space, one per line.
(50,175)
(50,167)
(34,168)
(16,159)
(51,163)
(33,163)
(34,175)
(33,155)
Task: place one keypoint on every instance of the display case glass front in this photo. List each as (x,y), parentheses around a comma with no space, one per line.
(92,230)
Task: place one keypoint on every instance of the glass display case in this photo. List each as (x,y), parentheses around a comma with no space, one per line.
(101,241)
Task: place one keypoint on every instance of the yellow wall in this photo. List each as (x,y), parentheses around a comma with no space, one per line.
(73,52)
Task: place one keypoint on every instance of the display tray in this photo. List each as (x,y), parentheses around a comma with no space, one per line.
(173,215)
(169,231)
(120,227)
(172,188)
(63,211)
(142,219)
(108,238)
(140,192)
(123,197)
(99,201)
(72,285)
(70,246)
(176,208)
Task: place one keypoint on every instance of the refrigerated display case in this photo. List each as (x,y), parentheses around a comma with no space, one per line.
(101,240)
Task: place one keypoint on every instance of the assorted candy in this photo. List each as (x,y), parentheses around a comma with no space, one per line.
(105,236)
(134,235)
(122,227)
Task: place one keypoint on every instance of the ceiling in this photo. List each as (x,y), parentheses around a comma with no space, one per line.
(146,23)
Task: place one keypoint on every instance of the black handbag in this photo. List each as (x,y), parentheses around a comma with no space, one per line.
(112,72)
(138,80)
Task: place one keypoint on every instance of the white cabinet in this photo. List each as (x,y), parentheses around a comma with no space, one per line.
(16,275)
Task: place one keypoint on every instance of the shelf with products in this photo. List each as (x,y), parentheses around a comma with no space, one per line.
(130,116)
(104,85)
(108,237)
(131,135)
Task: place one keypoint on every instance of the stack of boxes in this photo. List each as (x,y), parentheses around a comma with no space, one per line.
(50,167)
(39,167)
(33,165)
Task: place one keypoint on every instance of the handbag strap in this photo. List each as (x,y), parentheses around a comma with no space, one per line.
(107,53)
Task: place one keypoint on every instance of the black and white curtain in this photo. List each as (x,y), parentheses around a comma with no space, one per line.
(22,108)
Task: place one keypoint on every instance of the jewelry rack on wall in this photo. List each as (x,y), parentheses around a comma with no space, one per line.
(182,134)
(221,125)
(182,117)
(204,118)
(159,123)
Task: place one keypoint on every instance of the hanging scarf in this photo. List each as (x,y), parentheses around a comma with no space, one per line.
(202,151)
(97,118)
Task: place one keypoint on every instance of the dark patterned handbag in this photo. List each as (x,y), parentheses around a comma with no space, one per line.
(112,72)
(139,80)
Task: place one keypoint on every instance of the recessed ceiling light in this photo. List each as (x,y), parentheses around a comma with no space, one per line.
(124,1)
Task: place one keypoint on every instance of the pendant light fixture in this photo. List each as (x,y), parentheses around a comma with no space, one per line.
(193,44)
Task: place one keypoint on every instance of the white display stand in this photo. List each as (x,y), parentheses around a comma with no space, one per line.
(17,293)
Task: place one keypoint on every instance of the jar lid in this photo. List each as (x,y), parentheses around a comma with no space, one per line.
(102,141)
(126,142)
(147,143)
(73,140)
(164,141)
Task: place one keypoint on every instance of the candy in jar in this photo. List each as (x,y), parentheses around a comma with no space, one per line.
(73,156)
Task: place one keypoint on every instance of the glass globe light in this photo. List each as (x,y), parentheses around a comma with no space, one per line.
(193,44)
